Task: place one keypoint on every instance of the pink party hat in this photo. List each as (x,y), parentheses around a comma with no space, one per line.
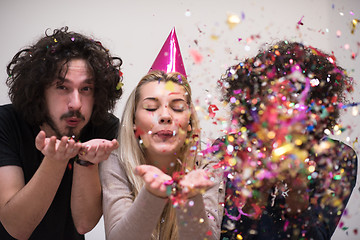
(169,58)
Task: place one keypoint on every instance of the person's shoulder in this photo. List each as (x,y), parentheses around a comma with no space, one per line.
(340,145)
(8,113)
(7,108)
(221,144)
(112,118)
(108,129)
(345,154)
(111,124)
(212,155)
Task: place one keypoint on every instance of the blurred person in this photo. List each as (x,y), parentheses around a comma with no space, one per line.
(286,178)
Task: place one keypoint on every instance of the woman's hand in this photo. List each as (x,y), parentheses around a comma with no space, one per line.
(191,184)
(154,179)
(196,182)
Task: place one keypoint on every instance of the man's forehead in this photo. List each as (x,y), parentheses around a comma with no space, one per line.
(77,66)
(74,64)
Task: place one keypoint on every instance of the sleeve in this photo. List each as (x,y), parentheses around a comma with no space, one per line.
(123,215)
(203,213)
(8,144)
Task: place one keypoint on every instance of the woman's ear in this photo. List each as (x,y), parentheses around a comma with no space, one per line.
(134,127)
(189,127)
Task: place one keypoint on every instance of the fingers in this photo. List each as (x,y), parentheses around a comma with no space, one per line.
(65,147)
(58,150)
(191,184)
(97,150)
(62,145)
(154,179)
(195,182)
(142,169)
(50,146)
(197,179)
(151,174)
(72,148)
(40,140)
(115,144)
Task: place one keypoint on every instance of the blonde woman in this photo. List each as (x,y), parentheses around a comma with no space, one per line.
(158,136)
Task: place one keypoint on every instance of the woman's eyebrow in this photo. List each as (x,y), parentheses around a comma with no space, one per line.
(151,99)
(178,99)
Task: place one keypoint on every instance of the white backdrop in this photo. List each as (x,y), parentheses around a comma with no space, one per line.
(136,29)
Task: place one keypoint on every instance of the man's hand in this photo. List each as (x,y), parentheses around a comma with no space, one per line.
(58,150)
(97,150)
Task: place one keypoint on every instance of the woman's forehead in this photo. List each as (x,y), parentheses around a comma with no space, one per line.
(159,89)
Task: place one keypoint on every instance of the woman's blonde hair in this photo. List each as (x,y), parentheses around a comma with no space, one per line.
(131,154)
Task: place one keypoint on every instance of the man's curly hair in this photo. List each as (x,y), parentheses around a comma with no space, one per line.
(33,69)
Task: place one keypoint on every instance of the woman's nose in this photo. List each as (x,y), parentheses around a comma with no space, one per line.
(165,117)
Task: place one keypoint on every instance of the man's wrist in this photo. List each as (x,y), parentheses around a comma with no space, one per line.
(83,163)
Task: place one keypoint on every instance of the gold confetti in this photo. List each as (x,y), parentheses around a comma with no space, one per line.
(239,237)
(354,22)
(214,37)
(232,20)
(169,85)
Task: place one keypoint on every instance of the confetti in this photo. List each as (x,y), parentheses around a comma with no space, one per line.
(212,108)
(197,57)
(170,86)
(354,23)
(300,21)
(138,132)
(233,20)
(338,33)
(119,85)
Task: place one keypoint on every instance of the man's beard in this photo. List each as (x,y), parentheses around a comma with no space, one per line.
(69,130)
(58,133)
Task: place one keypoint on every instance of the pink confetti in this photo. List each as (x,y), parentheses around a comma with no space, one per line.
(300,21)
(338,33)
(196,56)
(212,108)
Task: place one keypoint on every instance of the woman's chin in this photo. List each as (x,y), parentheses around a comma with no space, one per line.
(164,151)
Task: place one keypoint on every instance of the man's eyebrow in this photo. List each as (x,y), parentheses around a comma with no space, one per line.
(89,80)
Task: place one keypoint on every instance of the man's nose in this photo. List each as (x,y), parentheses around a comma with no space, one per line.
(74,100)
